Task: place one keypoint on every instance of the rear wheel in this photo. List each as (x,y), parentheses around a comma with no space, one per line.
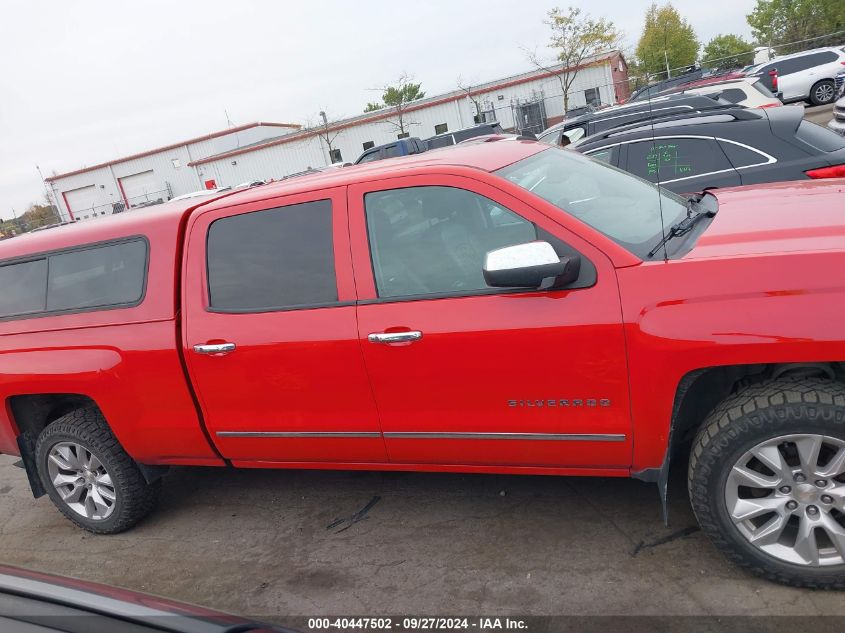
(88,475)
(767,481)
(823,92)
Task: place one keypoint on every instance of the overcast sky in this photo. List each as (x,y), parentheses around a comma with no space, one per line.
(87,81)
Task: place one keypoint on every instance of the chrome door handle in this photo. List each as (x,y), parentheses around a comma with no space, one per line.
(216,348)
(395,337)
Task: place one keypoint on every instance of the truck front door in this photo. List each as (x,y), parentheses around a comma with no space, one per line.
(270,334)
(465,374)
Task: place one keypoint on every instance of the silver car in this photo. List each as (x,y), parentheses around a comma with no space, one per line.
(837,123)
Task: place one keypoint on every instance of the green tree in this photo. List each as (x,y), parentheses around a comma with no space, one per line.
(667,39)
(779,22)
(574,38)
(728,51)
(398,97)
(38,214)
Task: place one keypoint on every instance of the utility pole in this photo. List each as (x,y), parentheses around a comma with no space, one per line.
(18,225)
(666,59)
(53,205)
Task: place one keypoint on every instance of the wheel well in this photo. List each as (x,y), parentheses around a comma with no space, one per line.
(701,390)
(33,412)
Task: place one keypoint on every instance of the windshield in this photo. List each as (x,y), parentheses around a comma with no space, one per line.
(622,206)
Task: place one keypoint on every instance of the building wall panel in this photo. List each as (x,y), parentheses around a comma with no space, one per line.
(172,167)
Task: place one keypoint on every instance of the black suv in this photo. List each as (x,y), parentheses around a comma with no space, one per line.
(401,147)
(458,136)
(414,145)
(724,148)
(601,120)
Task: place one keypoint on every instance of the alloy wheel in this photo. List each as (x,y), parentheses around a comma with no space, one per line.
(824,93)
(81,480)
(786,496)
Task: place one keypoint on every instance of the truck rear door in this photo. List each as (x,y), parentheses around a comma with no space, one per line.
(270,333)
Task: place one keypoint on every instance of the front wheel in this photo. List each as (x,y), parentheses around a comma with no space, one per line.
(823,92)
(88,475)
(767,481)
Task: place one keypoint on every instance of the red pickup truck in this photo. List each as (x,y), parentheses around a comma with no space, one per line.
(498,307)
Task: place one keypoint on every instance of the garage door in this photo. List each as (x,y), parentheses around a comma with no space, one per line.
(84,202)
(142,188)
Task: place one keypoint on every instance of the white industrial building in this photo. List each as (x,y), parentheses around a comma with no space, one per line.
(263,151)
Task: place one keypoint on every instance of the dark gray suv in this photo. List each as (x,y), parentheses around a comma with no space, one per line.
(724,148)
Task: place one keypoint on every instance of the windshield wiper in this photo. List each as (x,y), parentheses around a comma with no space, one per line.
(686,225)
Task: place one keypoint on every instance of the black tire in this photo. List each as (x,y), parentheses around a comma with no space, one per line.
(755,414)
(826,96)
(134,497)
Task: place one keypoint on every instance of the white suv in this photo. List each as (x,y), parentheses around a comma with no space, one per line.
(805,76)
(748,92)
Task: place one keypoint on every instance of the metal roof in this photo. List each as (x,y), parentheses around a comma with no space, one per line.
(198,139)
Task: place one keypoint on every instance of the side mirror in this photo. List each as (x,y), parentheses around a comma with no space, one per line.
(530,265)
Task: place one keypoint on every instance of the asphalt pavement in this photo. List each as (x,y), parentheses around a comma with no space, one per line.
(819,114)
(276,543)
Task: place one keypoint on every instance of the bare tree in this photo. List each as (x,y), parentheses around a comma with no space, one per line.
(466,88)
(398,97)
(327,131)
(574,39)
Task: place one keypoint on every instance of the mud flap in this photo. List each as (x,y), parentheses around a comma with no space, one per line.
(152,473)
(659,476)
(663,489)
(26,444)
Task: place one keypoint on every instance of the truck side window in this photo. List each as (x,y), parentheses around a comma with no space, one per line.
(24,287)
(274,259)
(426,240)
(97,276)
(103,276)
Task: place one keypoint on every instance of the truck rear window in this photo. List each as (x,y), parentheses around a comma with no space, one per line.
(87,278)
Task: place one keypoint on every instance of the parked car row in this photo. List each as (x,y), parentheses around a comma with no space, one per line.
(730,147)
(574,129)
(414,145)
(805,76)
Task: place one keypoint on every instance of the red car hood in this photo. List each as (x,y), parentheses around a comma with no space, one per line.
(801,215)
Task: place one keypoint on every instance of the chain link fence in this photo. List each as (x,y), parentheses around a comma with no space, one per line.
(146,199)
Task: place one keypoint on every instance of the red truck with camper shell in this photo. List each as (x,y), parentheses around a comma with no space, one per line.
(496,307)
